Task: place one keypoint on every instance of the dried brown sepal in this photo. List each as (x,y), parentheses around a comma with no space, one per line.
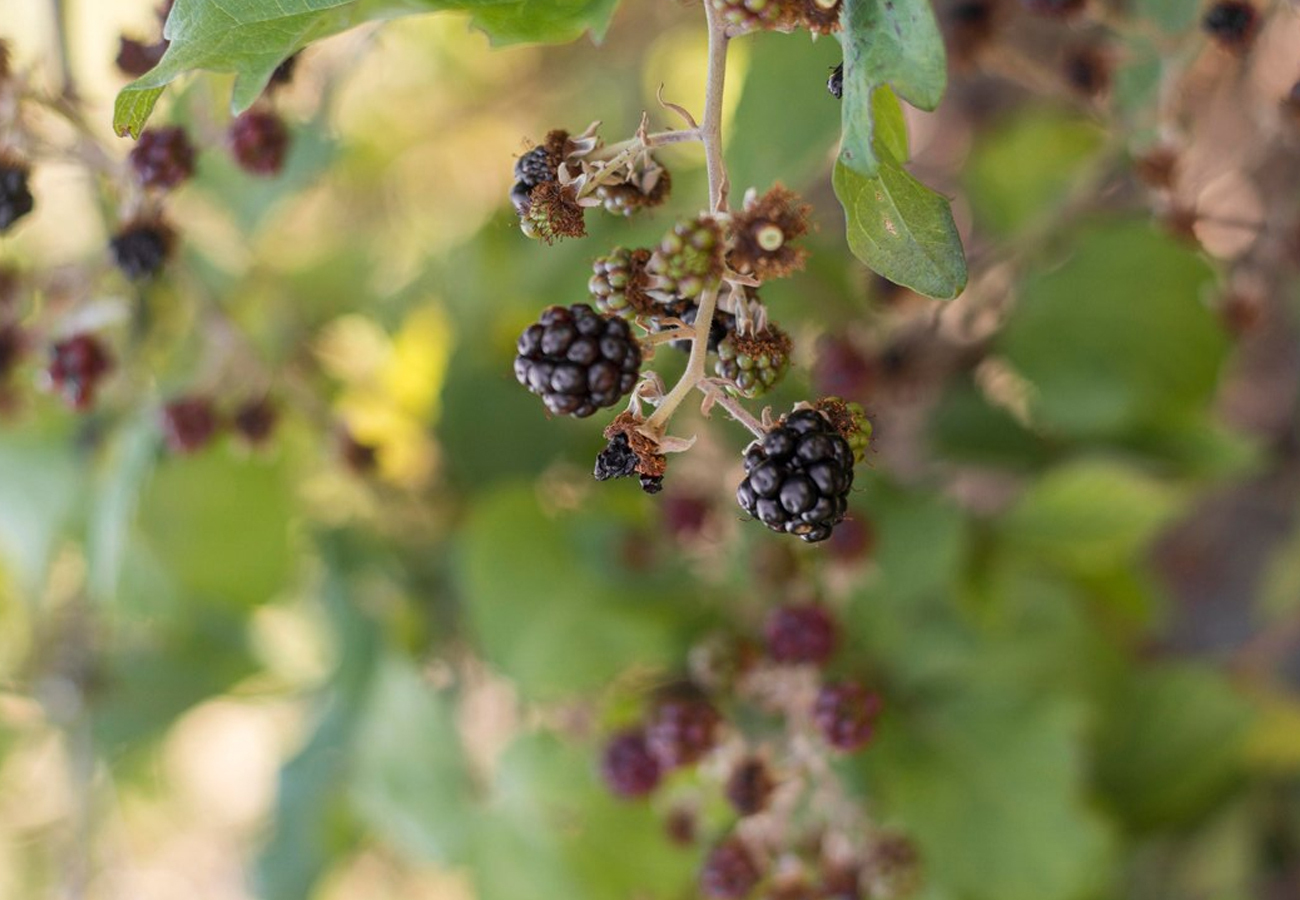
(553,212)
(650,462)
(849,420)
(763,231)
(755,362)
(1158,167)
(821,16)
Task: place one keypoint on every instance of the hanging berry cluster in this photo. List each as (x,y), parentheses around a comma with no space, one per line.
(698,290)
(757,727)
(135,194)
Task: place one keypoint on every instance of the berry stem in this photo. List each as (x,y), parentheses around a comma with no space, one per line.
(671,334)
(732,406)
(62,59)
(710,132)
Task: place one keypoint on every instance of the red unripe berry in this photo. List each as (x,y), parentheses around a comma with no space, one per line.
(163,157)
(189,424)
(730,871)
(682,729)
(76,367)
(845,713)
(800,634)
(628,767)
(259,141)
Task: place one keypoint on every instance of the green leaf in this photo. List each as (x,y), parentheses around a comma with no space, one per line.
(40,481)
(1024,169)
(902,229)
(420,800)
(886,42)
(534,599)
(1116,340)
(1172,745)
(250,38)
(1090,515)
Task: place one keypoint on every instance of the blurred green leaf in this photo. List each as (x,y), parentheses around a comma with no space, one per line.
(992,787)
(420,801)
(1116,340)
(1023,169)
(251,38)
(1170,745)
(1089,515)
(40,482)
(1171,15)
(221,524)
(966,427)
(533,604)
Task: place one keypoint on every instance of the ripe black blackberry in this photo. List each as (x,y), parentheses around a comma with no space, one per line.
(535,166)
(800,634)
(259,142)
(730,871)
(76,367)
(16,198)
(1231,23)
(141,249)
(798,477)
(628,767)
(682,728)
(163,157)
(722,326)
(577,360)
(749,786)
(845,713)
(189,424)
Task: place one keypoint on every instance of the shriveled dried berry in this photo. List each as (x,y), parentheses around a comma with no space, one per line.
(845,713)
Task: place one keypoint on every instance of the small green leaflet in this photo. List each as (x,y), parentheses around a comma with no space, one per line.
(895,224)
(251,37)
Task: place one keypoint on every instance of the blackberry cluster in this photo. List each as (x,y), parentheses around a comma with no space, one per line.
(754,363)
(189,424)
(141,249)
(845,713)
(618,283)
(259,142)
(628,766)
(798,477)
(162,158)
(682,729)
(800,634)
(730,871)
(76,367)
(577,360)
(255,420)
(750,786)
(16,198)
(536,166)
(1231,23)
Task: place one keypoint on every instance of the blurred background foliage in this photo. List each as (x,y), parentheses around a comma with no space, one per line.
(1074,566)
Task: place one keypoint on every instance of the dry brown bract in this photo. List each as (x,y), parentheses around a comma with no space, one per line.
(763,231)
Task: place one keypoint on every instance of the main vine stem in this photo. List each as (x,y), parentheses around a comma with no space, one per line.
(710,132)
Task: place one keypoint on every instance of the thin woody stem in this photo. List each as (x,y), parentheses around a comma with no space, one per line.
(710,132)
(733,407)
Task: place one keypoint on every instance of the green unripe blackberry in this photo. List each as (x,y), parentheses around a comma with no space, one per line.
(618,284)
(755,363)
(689,258)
